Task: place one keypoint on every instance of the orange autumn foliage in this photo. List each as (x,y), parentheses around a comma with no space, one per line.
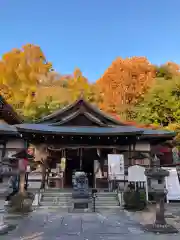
(135,124)
(173,67)
(124,82)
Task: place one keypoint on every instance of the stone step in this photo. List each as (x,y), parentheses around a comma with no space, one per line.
(54,207)
(58,191)
(106,199)
(55,200)
(113,204)
(56,194)
(56,204)
(69,205)
(70,199)
(50,190)
(106,194)
(107,207)
(104,203)
(56,197)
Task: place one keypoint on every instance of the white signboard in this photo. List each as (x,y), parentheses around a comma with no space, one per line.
(116,166)
(172,185)
(136,174)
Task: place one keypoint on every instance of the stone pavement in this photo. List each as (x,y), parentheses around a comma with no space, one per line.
(172,215)
(45,224)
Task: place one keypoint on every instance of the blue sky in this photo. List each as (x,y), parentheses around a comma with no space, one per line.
(90,34)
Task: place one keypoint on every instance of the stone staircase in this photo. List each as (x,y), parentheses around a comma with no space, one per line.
(55,198)
(107,200)
(62,199)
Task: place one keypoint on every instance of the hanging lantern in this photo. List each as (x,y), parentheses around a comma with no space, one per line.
(63,164)
(63,160)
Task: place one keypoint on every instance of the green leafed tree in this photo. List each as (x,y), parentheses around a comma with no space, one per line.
(161,105)
(37,111)
(167,71)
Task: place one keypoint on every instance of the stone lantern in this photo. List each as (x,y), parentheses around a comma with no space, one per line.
(160,225)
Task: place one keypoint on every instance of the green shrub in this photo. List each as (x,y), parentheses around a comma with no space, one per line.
(22,203)
(135,200)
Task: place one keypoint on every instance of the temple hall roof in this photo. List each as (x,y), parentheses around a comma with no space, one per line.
(7,113)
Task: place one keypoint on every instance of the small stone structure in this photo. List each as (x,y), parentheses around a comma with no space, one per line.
(80,193)
(160,225)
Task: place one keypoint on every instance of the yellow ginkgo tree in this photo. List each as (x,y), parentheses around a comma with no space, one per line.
(21,71)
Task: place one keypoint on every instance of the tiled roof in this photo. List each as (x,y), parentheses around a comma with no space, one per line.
(8,113)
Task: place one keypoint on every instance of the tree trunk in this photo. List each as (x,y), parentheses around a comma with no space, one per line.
(22,183)
(22,171)
(43,181)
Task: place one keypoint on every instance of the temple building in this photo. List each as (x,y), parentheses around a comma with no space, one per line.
(84,136)
(10,140)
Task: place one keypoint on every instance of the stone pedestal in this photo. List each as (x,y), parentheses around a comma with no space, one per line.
(81,203)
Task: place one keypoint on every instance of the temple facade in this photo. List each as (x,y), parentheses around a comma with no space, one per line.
(84,136)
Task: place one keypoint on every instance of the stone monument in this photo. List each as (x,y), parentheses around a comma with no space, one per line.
(80,193)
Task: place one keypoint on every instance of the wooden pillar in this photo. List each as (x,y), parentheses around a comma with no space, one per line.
(129,155)
(26,144)
(101,162)
(44,167)
(134,148)
(81,153)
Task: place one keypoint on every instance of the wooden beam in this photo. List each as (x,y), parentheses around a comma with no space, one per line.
(84,146)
